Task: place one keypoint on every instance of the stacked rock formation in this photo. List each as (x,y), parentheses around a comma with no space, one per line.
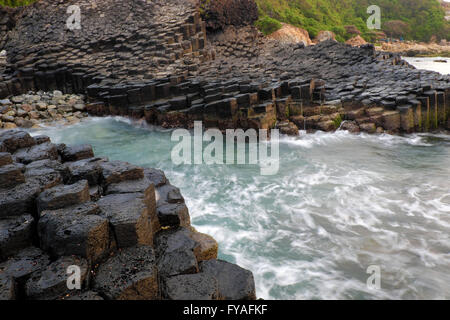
(126,228)
(154,59)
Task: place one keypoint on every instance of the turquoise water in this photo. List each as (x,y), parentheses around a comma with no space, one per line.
(339,204)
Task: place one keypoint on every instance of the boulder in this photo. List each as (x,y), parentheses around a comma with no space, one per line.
(10,176)
(235,283)
(391,120)
(118,171)
(15,233)
(41,139)
(64,196)
(128,215)
(76,153)
(37,152)
(14,140)
(197,286)
(19,200)
(76,230)
(5,158)
(51,282)
(325,36)
(131,274)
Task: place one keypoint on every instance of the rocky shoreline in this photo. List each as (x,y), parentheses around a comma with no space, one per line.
(34,109)
(127,229)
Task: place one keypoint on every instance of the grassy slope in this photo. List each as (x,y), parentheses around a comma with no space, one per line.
(15,3)
(425,17)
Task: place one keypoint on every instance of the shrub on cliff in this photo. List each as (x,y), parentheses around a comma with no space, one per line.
(220,13)
(268,25)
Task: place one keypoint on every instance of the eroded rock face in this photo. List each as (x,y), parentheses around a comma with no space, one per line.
(103,217)
(220,13)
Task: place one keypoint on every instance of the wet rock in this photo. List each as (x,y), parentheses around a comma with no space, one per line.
(206,247)
(173,215)
(15,233)
(87,169)
(5,159)
(235,283)
(37,152)
(76,230)
(10,176)
(118,171)
(41,139)
(128,215)
(175,252)
(156,176)
(350,126)
(391,120)
(51,282)
(129,275)
(144,187)
(368,127)
(76,153)
(14,140)
(24,263)
(46,173)
(64,196)
(19,200)
(168,194)
(199,286)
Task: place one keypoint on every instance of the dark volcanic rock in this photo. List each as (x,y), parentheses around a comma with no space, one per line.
(220,13)
(128,215)
(129,275)
(156,176)
(10,176)
(173,215)
(199,286)
(175,252)
(234,282)
(7,287)
(15,234)
(37,152)
(76,230)
(24,263)
(5,158)
(51,282)
(87,169)
(14,140)
(19,200)
(168,194)
(118,171)
(63,196)
(46,173)
(76,153)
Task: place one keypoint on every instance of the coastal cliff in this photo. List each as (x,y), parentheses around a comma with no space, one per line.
(158,60)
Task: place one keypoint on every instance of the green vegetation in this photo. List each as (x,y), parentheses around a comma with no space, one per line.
(15,3)
(337,121)
(268,25)
(423,18)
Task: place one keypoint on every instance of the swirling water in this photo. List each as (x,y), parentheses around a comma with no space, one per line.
(339,204)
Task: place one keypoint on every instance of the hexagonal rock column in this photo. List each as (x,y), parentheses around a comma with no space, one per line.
(129,275)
